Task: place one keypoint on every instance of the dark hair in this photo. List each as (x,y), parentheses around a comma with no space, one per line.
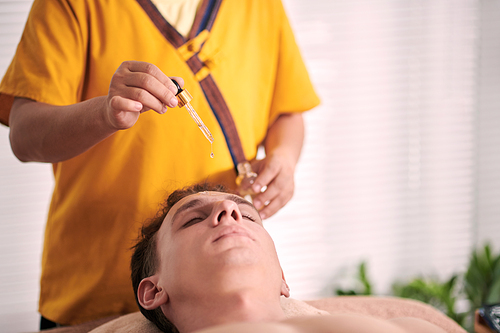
(144,260)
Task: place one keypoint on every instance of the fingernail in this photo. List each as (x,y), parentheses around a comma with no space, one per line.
(173,102)
(164,108)
(173,89)
(257,204)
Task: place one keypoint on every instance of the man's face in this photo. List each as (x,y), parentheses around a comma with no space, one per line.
(210,241)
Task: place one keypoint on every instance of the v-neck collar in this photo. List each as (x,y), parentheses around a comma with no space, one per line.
(204,20)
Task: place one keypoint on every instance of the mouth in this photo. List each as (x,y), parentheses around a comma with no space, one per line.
(232,232)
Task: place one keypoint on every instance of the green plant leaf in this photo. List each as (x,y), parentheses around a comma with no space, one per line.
(493,296)
(363,278)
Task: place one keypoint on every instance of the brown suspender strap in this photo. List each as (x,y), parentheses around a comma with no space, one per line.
(225,119)
(189,49)
(169,32)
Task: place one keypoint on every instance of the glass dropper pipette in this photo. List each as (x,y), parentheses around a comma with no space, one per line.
(184,98)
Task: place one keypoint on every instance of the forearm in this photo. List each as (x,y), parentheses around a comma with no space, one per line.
(46,133)
(286,136)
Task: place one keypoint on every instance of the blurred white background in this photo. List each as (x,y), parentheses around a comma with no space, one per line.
(401,163)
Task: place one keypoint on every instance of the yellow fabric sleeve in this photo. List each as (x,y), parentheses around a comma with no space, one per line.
(41,56)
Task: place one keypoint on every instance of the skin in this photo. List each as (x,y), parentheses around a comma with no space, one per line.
(217,265)
(283,145)
(341,323)
(219,273)
(47,133)
(42,132)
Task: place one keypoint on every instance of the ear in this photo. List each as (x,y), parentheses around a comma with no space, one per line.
(151,296)
(285,290)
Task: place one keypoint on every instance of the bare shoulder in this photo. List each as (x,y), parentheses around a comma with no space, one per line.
(340,323)
(354,323)
(248,327)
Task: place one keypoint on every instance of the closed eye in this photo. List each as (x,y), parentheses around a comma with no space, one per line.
(191,222)
(248,217)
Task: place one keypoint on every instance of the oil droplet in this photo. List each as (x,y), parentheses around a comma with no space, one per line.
(212,150)
(212,154)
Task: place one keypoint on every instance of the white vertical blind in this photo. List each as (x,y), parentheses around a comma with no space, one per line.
(24,198)
(488,129)
(400,165)
(13,16)
(387,173)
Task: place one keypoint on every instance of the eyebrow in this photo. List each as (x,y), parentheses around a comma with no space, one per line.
(188,205)
(241,201)
(198,202)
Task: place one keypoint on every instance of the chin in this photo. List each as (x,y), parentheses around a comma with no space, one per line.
(238,256)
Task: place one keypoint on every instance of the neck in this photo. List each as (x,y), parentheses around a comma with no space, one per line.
(241,306)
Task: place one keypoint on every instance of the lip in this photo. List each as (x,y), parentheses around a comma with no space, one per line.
(232,231)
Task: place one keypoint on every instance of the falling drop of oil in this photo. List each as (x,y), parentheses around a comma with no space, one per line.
(212,150)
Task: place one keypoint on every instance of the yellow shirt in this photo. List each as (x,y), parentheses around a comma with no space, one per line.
(68,53)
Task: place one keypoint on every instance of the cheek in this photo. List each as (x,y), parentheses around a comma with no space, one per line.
(267,245)
(264,237)
(182,255)
(176,270)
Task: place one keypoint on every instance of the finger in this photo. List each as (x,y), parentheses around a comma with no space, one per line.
(277,195)
(269,210)
(179,80)
(119,103)
(124,112)
(148,68)
(264,177)
(273,192)
(272,208)
(145,98)
(257,165)
(154,87)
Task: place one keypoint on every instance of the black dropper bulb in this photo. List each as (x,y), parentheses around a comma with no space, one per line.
(179,89)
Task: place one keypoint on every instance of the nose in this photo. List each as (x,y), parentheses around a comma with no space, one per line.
(226,211)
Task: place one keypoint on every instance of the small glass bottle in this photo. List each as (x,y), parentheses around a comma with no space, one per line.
(245,179)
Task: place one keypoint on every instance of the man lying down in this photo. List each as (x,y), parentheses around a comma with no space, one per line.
(206,264)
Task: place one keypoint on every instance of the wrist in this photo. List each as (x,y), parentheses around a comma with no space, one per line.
(286,156)
(104,115)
